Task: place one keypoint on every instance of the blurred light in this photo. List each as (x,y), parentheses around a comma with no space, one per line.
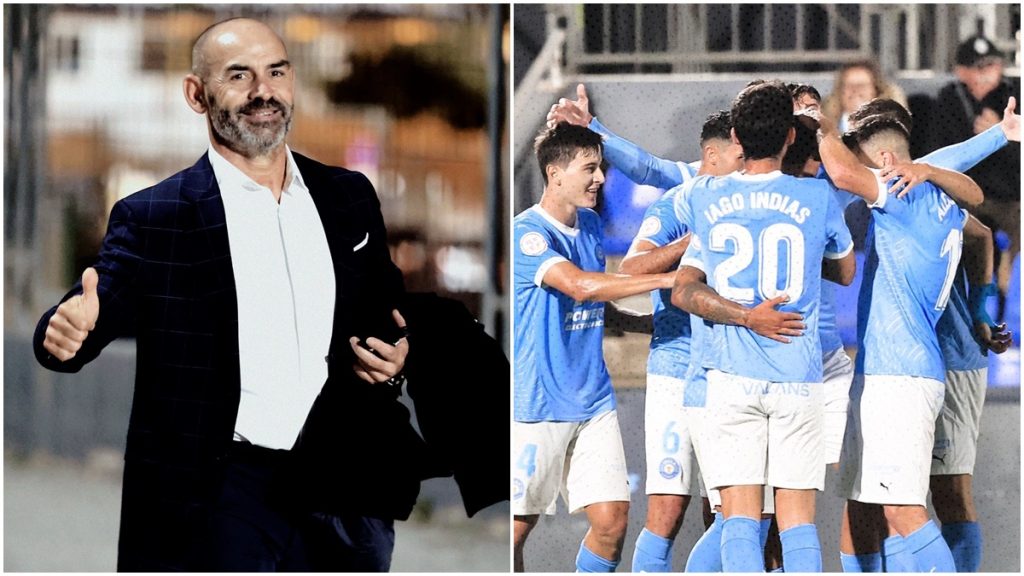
(302,29)
(409,31)
(460,269)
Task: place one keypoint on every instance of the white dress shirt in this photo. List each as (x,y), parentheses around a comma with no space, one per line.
(284,277)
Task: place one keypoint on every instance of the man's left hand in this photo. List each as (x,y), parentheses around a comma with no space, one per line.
(385,360)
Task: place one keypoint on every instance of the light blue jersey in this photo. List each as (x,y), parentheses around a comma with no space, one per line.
(639,165)
(955,330)
(828,331)
(560,373)
(760,235)
(696,393)
(913,249)
(670,344)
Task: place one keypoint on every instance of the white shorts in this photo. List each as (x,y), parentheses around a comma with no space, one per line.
(671,461)
(956,430)
(584,461)
(748,419)
(838,375)
(889,438)
(694,418)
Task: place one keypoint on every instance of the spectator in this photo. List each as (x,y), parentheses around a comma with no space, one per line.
(970,105)
(856,83)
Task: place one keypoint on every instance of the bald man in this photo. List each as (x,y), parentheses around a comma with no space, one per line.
(259,289)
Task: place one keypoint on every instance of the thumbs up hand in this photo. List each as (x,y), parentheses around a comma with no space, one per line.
(74,319)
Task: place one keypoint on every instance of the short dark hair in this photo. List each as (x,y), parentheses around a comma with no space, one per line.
(717,125)
(762,114)
(797,90)
(803,148)
(879,107)
(561,143)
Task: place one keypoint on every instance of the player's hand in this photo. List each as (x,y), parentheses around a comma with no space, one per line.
(766,321)
(385,360)
(809,117)
(74,319)
(987,119)
(994,338)
(1011,121)
(572,111)
(909,175)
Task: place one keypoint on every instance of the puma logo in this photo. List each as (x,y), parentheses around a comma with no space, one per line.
(884,486)
(941,459)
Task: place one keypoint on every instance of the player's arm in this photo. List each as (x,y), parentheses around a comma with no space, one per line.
(600,287)
(842,165)
(978,264)
(627,320)
(692,294)
(839,270)
(636,163)
(960,187)
(646,257)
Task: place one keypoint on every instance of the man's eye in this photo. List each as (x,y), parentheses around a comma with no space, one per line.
(238,76)
(277,73)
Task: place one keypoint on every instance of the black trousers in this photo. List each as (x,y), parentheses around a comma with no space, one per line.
(252,528)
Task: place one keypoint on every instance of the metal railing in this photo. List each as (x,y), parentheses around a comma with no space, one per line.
(686,38)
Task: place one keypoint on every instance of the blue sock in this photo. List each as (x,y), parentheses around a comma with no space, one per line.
(706,555)
(896,557)
(587,561)
(801,549)
(741,545)
(766,524)
(929,549)
(861,562)
(652,553)
(964,540)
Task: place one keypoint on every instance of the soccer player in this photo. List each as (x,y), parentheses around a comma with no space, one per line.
(914,246)
(566,434)
(671,462)
(762,233)
(965,333)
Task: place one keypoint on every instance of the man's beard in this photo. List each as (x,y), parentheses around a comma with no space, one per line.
(250,139)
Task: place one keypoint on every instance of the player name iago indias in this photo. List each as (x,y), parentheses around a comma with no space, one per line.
(758,200)
(583,318)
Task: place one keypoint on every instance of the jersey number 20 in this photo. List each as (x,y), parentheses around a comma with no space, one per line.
(768,268)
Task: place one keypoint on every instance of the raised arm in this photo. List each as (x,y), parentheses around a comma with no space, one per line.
(636,163)
(841,164)
(960,187)
(600,287)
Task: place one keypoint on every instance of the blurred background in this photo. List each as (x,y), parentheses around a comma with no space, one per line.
(414,96)
(654,72)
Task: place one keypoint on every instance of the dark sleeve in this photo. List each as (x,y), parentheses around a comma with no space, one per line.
(117,267)
(385,279)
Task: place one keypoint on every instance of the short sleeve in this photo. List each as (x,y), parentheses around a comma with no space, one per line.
(838,243)
(660,225)
(681,205)
(692,257)
(535,253)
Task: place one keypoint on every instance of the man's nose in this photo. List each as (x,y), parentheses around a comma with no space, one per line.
(599,176)
(261,88)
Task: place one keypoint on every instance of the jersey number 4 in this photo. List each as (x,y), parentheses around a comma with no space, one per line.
(769,242)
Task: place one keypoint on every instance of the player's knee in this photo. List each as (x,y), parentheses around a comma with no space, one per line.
(610,528)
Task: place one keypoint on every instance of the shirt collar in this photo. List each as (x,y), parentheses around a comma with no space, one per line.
(228,175)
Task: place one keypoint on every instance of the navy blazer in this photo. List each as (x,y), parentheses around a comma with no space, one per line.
(165,276)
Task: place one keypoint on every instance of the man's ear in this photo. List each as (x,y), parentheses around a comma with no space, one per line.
(195,93)
(732,136)
(711,154)
(552,170)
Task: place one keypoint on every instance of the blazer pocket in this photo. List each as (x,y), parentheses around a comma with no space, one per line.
(365,241)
